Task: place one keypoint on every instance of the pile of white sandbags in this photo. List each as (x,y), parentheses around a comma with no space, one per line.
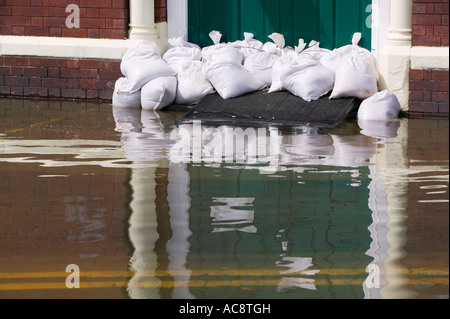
(186,73)
(147,79)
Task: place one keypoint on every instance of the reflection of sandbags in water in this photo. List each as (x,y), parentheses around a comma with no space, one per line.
(151,124)
(127,120)
(309,145)
(379,129)
(353,150)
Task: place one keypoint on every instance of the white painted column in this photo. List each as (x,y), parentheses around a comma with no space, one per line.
(142,20)
(395,57)
(400,22)
(143,26)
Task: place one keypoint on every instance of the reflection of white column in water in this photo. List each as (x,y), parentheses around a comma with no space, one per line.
(392,168)
(178,246)
(378,229)
(143,235)
(381,132)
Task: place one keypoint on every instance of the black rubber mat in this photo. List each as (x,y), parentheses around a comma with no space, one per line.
(280,108)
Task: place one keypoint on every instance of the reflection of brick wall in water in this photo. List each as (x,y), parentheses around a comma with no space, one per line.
(427,211)
(56,216)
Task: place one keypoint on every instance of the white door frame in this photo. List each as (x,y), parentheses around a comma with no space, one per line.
(177,17)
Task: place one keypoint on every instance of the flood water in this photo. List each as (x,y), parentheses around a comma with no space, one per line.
(147,209)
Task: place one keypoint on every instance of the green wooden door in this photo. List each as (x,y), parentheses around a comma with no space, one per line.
(331,22)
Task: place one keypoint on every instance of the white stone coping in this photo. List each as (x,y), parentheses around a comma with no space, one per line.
(423,58)
(77,48)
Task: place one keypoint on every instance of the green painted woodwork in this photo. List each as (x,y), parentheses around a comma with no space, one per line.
(331,22)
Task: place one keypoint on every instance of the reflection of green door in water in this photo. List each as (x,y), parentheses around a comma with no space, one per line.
(265,226)
(331,22)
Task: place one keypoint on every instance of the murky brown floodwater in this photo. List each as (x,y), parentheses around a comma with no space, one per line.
(333,214)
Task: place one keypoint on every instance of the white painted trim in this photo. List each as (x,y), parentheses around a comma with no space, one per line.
(423,58)
(63,47)
(177,17)
(380,25)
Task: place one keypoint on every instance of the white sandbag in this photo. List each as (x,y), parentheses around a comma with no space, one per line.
(122,97)
(278,46)
(221,51)
(356,71)
(159,93)
(314,51)
(309,80)
(192,84)
(177,56)
(333,60)
(141,64)
(181,40)
(231,79)
(355,77)
(383,105)
(260,65)
(301,46)
(380,129)
(249,45)
(279,68)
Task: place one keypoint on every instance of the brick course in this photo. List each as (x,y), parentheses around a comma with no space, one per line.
(429,89)
(46,77)
(429,93)
(430,23)
(160,11)
(107,19)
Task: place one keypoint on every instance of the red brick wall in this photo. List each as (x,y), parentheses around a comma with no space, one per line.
(43,77)
(430,23)
(160,11)
(429,93)
(98,18)
(429,89)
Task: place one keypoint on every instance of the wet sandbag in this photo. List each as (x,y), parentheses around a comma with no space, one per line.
(142,64)
(159,93)
(122,97)
(383,105)
(231,79)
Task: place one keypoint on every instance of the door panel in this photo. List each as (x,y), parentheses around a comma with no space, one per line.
(331,22)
